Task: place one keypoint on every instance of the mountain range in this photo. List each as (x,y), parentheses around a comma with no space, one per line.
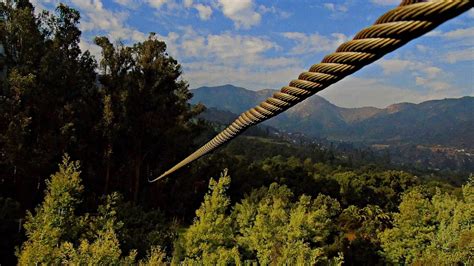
(447,122)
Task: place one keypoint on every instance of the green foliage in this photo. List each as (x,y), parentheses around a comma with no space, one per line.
(280,231)
(379,188)
(210,239)
(155,257)
(56,234)
(55,221)
(267,227)
(99,244)
(436,229)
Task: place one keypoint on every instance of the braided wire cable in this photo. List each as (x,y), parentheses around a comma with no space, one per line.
(410,20)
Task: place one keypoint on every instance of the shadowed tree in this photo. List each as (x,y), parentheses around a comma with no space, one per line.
(146,117)
(48,98)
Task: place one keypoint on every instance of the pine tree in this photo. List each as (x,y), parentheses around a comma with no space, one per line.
(58,235)
(210,239)
(99,244)
(54,220)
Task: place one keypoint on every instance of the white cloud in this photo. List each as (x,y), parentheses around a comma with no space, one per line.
(336,7)
(433,84)
(460,33)
(123,2)
(241,12)
(463,36)
(132,4)
(314,43)
(432,71)
(88,45)
(330,6)
(424,74)
(273,10)
(188,3)
(156,3)
(38,4)
(434,33)
(470,13)
(96,18)
(386,2)
(225,46)
(205,12)
(395,66)
(242,60)
(422,48)
(359,92)
(458,42)
(458,56)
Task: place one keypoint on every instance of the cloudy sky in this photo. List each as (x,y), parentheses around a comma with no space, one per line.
(263,44)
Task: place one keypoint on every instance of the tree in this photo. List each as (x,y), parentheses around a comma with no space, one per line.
(279,231)
(146,114)
(267,226)
(46,110)
(57,235)
(155,257)
(359,228)
(144,230)
(55,221)
(428,230)
(99,244)
(210,239)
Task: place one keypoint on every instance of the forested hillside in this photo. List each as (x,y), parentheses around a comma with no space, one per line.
(81,136)
(447,122)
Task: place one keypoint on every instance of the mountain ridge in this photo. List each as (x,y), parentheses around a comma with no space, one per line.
(435,122)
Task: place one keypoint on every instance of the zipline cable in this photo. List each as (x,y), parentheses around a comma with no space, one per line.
(410,20)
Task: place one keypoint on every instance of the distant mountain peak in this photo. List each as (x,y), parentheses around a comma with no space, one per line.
(445,122)
(397,107)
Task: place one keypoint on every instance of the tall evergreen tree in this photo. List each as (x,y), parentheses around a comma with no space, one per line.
(146,115)
(56,234)
(48,98)
(210,239)
(55,220)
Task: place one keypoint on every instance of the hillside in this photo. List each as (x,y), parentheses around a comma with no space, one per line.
(229,98)
(447,122)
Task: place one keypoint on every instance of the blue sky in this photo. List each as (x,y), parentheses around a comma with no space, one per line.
(259,44)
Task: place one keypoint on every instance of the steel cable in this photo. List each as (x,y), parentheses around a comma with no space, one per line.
(410,20)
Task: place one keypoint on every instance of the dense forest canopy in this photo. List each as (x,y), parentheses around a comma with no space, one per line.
(112,123)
